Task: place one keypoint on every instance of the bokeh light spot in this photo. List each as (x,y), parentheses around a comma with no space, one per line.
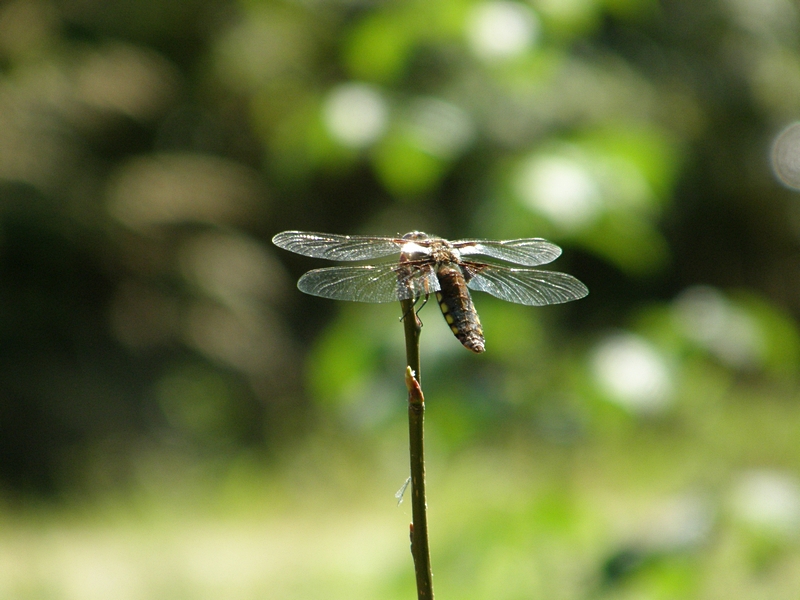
(725,330)
(355,114)
(439,127)
(230,268)
(769,501)
(164,189)
(500,30)
(561,189)
(632,373)
(786,156)
(567,11)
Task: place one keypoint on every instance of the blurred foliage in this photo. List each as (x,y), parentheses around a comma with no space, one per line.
(638,443)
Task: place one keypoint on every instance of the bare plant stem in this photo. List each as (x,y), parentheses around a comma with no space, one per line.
(416,412)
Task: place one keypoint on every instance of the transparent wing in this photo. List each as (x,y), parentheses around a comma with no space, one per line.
(379,283)
(529,252)
(337,247)
(525,286)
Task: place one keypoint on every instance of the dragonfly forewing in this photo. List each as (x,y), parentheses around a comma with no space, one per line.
(528,252)
(372,283)
(526,286)
(337,247)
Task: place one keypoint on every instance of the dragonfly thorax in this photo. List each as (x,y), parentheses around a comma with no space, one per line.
(421,246)
(442,251)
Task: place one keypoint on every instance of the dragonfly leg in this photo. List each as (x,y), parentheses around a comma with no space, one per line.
(416,310)
(424,302)
(405,314)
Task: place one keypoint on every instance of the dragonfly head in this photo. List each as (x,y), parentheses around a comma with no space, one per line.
(414,236)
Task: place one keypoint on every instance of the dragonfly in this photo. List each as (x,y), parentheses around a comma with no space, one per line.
(432,265)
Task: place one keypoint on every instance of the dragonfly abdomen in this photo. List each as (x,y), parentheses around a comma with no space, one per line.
(457,307)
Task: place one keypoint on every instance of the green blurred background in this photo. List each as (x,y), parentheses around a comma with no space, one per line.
(177,421)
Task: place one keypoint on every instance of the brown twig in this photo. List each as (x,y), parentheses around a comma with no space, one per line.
(416,411)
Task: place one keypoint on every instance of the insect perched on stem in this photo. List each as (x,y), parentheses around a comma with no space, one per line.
(432,265)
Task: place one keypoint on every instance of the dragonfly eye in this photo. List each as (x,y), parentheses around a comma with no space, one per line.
(415,235)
